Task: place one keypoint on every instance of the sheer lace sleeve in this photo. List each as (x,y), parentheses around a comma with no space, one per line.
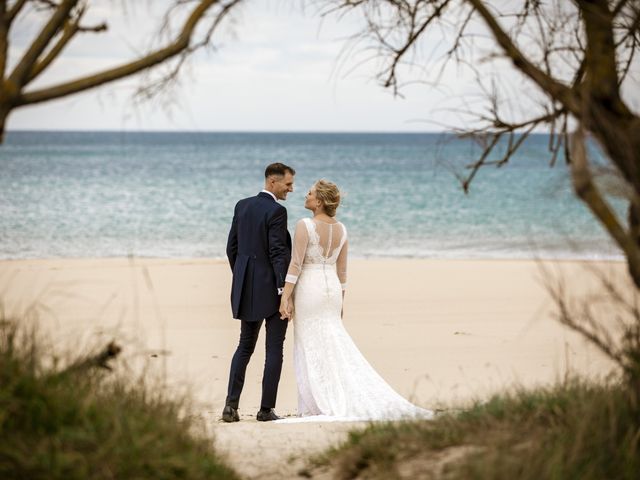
(341,263)
(300,241)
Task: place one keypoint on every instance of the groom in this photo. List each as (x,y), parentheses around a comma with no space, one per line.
(259,250)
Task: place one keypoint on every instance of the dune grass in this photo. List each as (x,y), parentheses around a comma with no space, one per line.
(574,430)
(77,421)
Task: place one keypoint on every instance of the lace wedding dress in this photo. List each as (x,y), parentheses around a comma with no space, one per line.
(335,382)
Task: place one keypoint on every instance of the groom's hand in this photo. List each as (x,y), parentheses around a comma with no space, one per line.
(285,310)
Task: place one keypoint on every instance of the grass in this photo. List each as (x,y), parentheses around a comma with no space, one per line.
(76,421)
(575,430)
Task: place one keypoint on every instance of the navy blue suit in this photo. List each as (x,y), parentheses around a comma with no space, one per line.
(259,251)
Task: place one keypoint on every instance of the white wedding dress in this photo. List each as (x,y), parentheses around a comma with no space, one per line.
(335,382)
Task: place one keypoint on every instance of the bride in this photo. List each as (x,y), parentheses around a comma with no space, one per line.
(335,382)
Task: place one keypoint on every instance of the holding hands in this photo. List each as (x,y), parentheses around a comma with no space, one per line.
(286,308)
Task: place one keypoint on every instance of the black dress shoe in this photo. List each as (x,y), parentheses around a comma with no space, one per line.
(267,415)
(230,414)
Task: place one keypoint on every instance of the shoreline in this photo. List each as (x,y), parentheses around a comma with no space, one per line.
(604,259)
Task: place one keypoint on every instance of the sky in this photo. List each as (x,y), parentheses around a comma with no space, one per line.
(277,66)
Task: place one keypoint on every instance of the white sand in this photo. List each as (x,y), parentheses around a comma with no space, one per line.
(440,332)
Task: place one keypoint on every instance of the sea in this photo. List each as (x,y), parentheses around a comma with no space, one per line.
(172,194)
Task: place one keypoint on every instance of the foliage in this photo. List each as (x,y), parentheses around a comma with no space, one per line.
(572,430)
(79,421)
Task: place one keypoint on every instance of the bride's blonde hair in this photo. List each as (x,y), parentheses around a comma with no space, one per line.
(329,194)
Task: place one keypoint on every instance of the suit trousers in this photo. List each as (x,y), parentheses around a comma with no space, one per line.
(276,330)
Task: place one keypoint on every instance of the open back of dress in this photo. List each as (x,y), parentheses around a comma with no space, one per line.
(319,243)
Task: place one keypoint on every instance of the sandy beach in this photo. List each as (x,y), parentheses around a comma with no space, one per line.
(441,332)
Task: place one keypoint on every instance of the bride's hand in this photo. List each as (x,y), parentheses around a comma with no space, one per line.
(285,309)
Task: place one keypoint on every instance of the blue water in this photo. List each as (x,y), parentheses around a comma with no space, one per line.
(105,194)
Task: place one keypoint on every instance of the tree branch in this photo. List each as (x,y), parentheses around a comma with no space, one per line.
(18,78)
(587,191)
(150,89)
(148,61)
(4,36)
(68,32)
(413,36)
(619,6)
(546,118)
(558,91)
(605,345)
(14,10)
(601,80)
(476,166)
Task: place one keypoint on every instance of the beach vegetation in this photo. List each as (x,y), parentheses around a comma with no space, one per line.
(575,429)
(74,418)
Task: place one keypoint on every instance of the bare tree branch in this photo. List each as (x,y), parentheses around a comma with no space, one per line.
(566,317)
(413,36)
(619,6)
(629,41)
(181,43)
(47,4)
(19,76)
(69,30)
(150,89)
(600,55)
(475,167)
(14,10)
(559,92)
(4,35)
(588,192)
(599,317)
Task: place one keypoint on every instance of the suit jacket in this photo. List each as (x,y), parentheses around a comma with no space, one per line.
(259,251)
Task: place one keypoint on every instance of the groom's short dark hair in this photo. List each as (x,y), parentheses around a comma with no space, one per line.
(278,169)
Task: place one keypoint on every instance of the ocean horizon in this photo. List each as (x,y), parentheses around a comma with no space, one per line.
(79,194)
